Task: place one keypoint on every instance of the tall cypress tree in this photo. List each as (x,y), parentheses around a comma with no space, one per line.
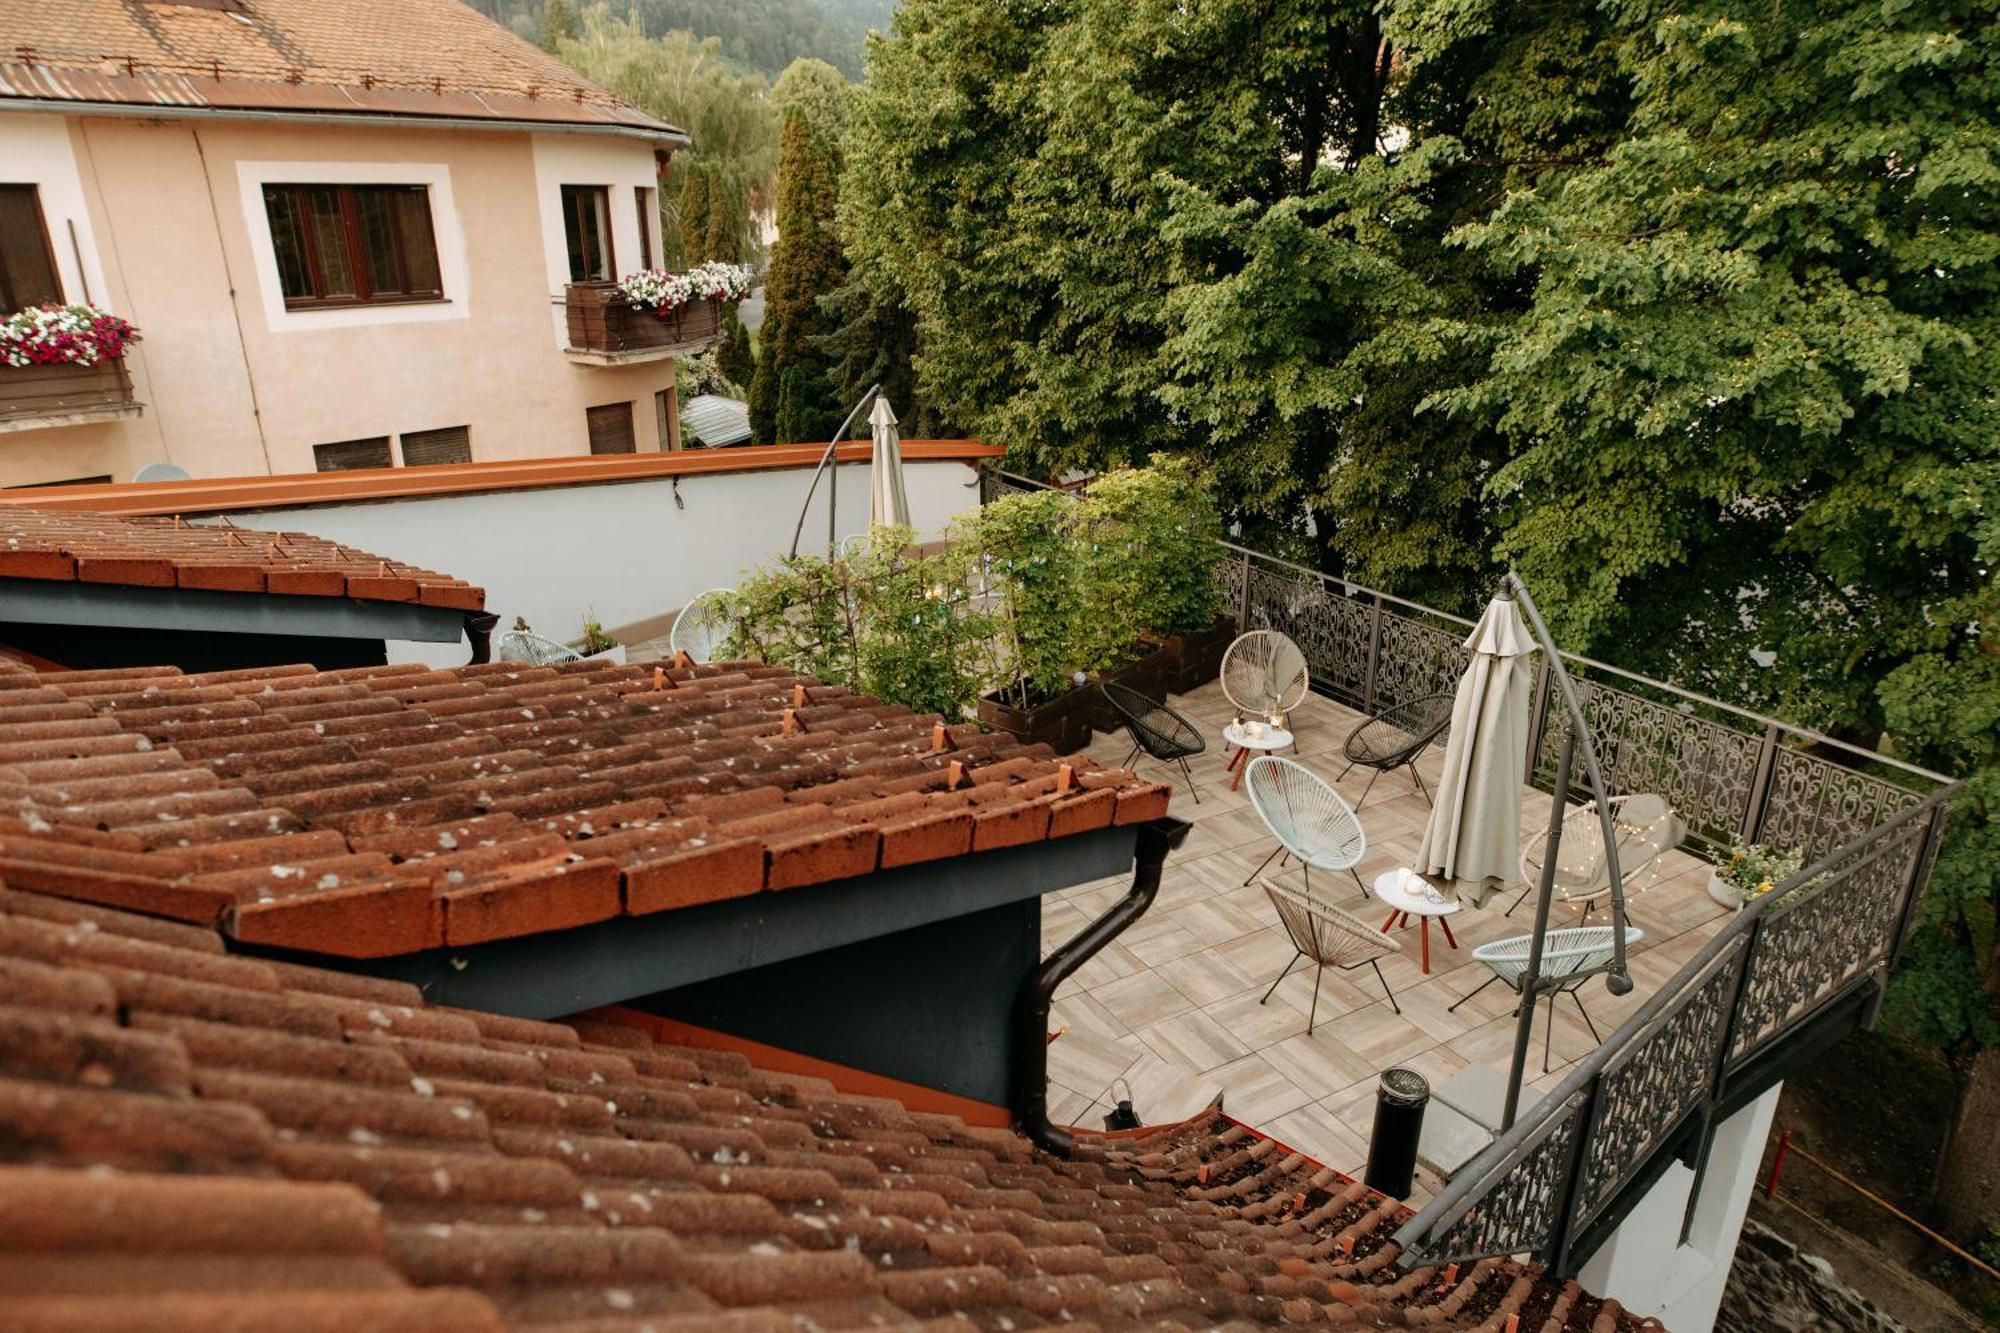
(806,264)
(694,215)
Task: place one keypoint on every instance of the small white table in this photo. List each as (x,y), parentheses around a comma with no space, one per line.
(1265,738)
(1404,904)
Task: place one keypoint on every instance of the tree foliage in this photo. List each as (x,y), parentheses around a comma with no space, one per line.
(1689,310)
(686,83)
(755,36)
(792,395)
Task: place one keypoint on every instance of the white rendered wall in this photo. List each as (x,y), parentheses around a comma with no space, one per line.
(1645,1267)
(621,552)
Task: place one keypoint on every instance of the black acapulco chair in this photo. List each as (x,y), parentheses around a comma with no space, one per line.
(1157,729)
(1394,737)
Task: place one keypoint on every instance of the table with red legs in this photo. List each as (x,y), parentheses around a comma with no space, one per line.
(1402,891)
(1265,738)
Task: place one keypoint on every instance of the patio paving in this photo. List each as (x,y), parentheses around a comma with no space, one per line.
(1172,1006)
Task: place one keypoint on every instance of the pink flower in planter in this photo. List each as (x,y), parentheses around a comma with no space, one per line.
(53,335)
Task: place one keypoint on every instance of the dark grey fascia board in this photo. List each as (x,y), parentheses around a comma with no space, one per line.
(60,602)
(375,120)
(610,962)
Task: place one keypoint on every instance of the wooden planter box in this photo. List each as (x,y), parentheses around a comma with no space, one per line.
(32,393)
(1173,665)
(602,320)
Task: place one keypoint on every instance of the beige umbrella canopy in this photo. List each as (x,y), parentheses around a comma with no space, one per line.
(887,502)
(1474,834)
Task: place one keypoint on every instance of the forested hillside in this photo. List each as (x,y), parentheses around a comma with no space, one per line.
(760,35)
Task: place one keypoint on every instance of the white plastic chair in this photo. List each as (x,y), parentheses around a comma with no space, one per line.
(1307,817)
(701,626)
(1330,937)
(1570,957)
(522,645)
(1264,672)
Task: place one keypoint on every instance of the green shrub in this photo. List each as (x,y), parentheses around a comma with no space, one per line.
(1036,574)
(1153,534)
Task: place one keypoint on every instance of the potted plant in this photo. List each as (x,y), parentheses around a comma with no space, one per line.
(653,307)
(1749,872)
(57,359)
(598,644)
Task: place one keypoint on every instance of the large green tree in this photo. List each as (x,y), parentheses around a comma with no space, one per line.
(1686,309)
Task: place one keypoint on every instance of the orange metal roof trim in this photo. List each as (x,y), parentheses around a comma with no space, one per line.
(294,490)
(372,57)
(51,546)
(378,811)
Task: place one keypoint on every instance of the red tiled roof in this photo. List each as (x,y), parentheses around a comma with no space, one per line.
(383,810)
(194,1141)
(386,57)
(47,544)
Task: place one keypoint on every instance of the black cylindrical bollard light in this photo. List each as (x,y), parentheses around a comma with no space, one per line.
(1400,1099)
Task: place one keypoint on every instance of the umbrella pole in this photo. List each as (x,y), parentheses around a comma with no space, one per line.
(1524,1029)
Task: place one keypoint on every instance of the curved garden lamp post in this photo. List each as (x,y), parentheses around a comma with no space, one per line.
(1618,979)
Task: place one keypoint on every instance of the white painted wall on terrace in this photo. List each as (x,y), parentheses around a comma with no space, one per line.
(621,552)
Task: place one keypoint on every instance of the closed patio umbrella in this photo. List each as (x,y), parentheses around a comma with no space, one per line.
(1474,834)
(886,501)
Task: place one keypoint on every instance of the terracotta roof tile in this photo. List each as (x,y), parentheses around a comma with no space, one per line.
(385,810)
(424,57)
(46,544)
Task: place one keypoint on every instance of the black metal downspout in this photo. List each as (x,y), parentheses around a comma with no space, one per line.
(479,632)
(1031,1011)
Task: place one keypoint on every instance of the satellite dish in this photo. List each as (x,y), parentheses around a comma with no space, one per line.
(163,472)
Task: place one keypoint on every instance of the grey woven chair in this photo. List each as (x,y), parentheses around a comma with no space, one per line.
(1307,817)
(1158,730)
(1264,672)
(1330,937)
(1395,738)
(1570,957)
(522,645)
(1646,827)
(702,625)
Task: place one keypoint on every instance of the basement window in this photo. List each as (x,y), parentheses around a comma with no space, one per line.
(352,455)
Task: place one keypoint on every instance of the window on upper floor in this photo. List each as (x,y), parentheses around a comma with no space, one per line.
(587,229)
(343,245)
(27,265)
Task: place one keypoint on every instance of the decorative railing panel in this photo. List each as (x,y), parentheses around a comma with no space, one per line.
(1706,770)
(1818,805)
(1523,1211)
(1651,1085)
(1810,945)
(1868,824)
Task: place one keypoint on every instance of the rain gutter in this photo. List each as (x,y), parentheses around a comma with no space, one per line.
(1031,1011)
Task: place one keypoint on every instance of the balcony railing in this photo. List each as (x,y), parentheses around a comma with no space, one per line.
(605,328)
(40,396)
(1809,959)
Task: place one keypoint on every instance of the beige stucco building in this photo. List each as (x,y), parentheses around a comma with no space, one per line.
(343,229)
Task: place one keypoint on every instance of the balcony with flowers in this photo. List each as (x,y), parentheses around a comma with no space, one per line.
(64,365)
(651,315)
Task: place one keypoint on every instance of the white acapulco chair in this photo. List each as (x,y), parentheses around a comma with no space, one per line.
(1570,957)
(701,627)
(1330,937)
(522,645)
(1264,672)
(1307,817)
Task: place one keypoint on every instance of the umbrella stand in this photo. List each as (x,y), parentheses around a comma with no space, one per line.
(1618,979)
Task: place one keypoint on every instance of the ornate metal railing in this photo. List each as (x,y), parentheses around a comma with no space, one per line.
(1868,824)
